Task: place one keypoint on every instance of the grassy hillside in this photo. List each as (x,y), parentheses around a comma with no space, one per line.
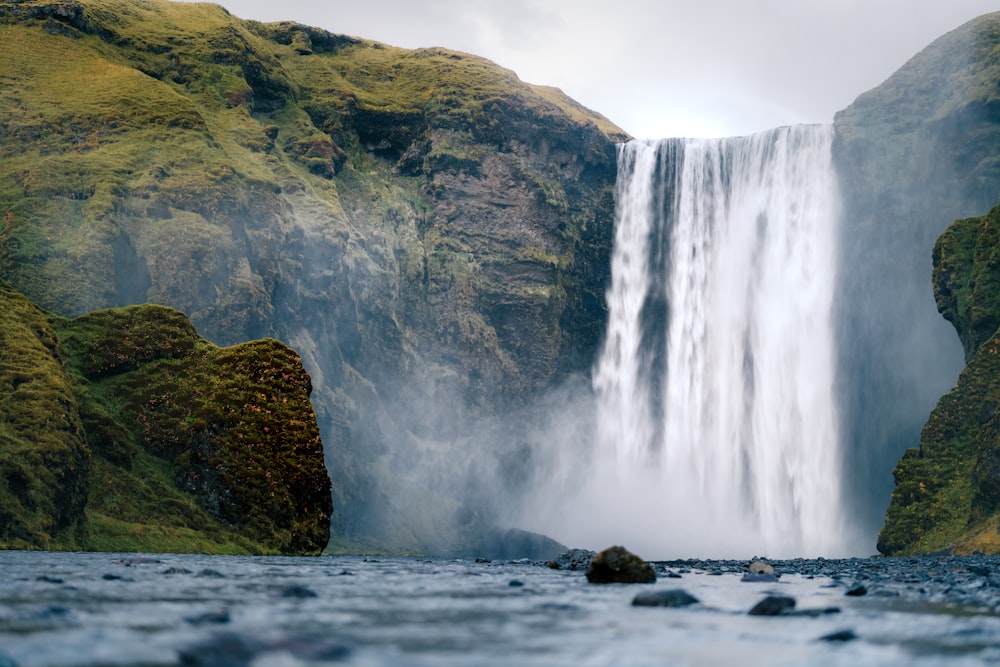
(123,430)
(431,233)
(947,494)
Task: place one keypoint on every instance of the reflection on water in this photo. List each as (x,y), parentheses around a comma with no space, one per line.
(113,609)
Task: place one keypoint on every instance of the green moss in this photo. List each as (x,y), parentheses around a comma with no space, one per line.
(949,489)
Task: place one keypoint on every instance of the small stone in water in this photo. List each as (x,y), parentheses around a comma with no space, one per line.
(759,577)
(516,583)
(773,605)
(216,616)
(176,570)
(839,636)
(670,598)
(857,590)
(295,591)
(215,574)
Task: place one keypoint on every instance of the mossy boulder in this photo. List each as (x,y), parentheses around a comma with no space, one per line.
(947,494)
(618,565)
(124,430)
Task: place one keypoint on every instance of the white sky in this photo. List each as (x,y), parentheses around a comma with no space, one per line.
(663,68)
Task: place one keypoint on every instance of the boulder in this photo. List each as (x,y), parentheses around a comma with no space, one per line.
(617,565)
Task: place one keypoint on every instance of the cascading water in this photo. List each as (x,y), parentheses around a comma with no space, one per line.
(716,418)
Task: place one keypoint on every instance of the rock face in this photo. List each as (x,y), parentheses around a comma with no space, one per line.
(429,232)
(617,565)
(913,155)
(125,430)
(947,493)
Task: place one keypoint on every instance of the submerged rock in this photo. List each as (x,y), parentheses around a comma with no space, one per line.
(674,597)
(617,565)
(773,605)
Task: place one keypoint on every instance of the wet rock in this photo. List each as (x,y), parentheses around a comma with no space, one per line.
(773,605)
(839,636)
(617,565)
(574,559)
(515,583)
(759,577)
(214,617)
(674,597)
(49,580)
(114,577)
(138,560)
(176,570)
(857,590)
(231,650)
(295,591)
(213,574)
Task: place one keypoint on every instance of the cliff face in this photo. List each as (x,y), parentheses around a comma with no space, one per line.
(917,152)
(947,492)
(429,232)
(125,430)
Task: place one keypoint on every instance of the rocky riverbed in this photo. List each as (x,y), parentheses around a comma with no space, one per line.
(125,609)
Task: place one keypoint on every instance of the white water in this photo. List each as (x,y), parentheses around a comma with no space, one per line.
(716,422)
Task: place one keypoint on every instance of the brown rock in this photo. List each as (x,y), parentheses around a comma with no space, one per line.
(616,565)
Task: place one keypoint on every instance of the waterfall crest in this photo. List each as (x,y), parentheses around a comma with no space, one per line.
(716,416)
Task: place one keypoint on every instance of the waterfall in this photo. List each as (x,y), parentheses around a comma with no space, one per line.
(716,419)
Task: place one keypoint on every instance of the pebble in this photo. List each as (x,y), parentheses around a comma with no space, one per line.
(296,591)
(773,605)
(839,636)
(857,590)
(674,597)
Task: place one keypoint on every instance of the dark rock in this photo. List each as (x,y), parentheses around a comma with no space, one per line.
(674,597)
(214,574)
(49,580)
(574,559)
(515,583)
(839,636)
(857,590)
(616,565)
(138,560)
(115,577)
(214,617)
(176,570)
(759,577)
(229,650)
(773,605)
(295,591)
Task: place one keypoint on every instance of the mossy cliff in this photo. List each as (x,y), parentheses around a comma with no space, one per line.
(913,155)
(429,232)
(124,430)
(947,494)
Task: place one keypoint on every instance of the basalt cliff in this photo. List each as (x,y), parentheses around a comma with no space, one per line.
(428,232)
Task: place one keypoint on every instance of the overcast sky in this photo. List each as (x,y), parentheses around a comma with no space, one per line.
(663,68)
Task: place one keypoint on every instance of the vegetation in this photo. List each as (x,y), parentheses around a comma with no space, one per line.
(947,494)
(124,430)
(429,230)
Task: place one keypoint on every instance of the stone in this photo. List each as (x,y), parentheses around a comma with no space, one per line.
(674,597)
(617,565)
(574,559)
(760,567)
(773,605)
(857,590)
(839,636)
(759,577)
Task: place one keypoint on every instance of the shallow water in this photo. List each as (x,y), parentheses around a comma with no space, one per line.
(123,609)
